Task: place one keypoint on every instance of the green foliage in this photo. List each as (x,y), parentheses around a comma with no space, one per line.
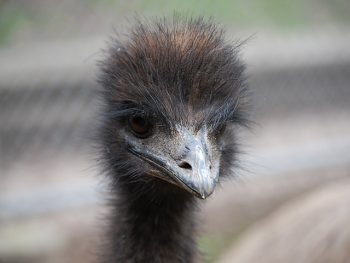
(55,16)
(10,19)
(280,14)
(213,246)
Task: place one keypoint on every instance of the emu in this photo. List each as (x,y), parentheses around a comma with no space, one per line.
(173,91)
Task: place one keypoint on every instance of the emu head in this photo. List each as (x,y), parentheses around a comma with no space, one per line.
(173,92)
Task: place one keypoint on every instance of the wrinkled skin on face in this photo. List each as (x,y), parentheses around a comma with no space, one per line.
(184,157)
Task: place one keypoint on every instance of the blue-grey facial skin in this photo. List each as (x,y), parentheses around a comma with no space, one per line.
(186,158)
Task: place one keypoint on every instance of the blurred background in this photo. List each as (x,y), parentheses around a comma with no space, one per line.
(291,201)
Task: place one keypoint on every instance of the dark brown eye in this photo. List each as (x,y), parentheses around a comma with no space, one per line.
(140,126)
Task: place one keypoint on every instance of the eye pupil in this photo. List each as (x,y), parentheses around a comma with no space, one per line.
(140,126)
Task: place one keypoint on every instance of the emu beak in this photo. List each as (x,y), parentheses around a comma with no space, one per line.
(193,172)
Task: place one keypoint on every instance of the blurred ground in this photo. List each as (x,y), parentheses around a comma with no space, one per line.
(310,228)
(51,195)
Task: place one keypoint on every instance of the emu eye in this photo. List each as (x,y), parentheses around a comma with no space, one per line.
(140,126)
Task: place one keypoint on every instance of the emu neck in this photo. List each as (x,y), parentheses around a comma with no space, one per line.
(154,227)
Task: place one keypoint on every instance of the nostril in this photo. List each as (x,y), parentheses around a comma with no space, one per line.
(185,165)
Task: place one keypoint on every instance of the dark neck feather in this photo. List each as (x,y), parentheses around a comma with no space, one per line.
(153,226)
